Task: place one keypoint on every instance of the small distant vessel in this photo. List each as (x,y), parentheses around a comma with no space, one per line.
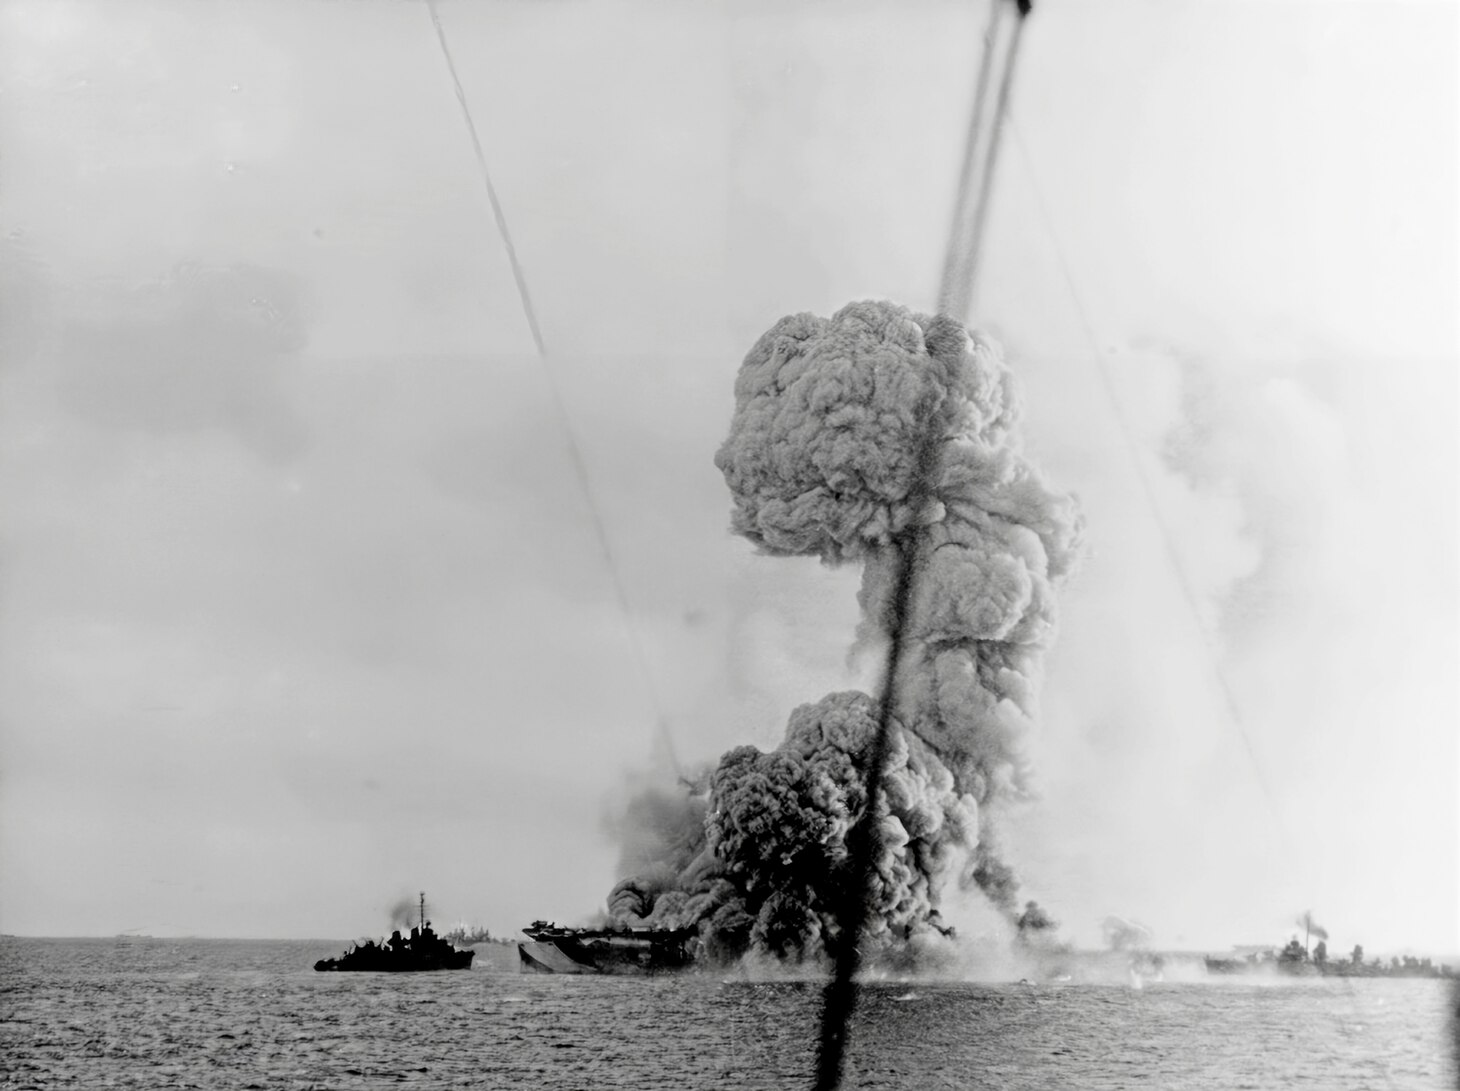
(556,950)
(1292,960)
(422,950)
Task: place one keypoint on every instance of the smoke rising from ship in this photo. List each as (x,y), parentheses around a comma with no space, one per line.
(821,460)
(1310,926)
(405,911)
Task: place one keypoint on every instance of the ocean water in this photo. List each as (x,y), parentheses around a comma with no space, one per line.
(253,1014)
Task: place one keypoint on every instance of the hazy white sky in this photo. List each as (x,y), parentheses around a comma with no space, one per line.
(304,604)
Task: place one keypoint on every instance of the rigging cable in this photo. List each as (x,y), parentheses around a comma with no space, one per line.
(575,454)
(497,213)
(960,266)
(956,269)
(839,998)
(1168,539)
(986,185)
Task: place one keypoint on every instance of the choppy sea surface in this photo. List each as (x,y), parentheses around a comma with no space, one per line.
(146,1013)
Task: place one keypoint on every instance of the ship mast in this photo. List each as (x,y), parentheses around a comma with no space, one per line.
(423,911)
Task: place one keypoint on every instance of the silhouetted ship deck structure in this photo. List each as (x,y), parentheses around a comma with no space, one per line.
(1252,965)
(1296,960)
(422,951)
(625,950)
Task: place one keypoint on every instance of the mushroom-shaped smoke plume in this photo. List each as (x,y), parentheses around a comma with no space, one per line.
(832,423)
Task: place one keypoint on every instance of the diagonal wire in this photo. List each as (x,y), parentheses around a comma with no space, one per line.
(497,213)
(1168,539)
(1133,451)
(956,271)
(580,467)
(839,998)
(956,299)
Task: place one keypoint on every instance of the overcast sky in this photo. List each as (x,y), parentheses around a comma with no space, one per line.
(307,605)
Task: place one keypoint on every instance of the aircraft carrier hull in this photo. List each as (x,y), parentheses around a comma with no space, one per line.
(553,950)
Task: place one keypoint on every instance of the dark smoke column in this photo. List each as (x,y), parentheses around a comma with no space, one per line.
(820,460)
(831,423)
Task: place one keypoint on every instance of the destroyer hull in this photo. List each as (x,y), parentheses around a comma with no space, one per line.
(386,962)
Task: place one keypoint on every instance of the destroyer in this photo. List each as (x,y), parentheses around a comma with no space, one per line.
(556,950)
(423,950)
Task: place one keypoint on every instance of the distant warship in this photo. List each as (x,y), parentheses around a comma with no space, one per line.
(422,950)
(556,950)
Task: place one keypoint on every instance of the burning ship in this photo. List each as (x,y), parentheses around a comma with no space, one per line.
(887,438)
(625,950)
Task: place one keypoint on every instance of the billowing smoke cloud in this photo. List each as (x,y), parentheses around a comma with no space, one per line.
(405,911)
(830,420)
(1035,923)
(661,830)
